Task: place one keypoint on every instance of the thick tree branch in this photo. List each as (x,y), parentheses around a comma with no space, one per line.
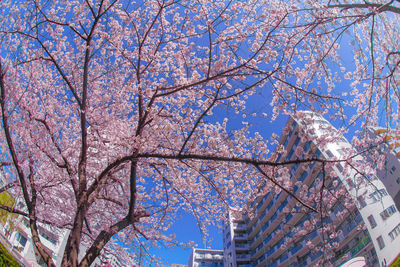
(366,5)
(13,210)
(105,236)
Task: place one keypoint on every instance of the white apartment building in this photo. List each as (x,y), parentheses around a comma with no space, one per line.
(206,258)
(390,175)
(54,239)
(235,240)
(281,233)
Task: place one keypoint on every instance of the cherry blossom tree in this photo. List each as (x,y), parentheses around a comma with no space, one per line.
(108,108)
(356,42)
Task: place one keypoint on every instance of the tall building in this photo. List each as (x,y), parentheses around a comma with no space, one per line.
(388,144)
(235,240)
(206,258)
(356,215)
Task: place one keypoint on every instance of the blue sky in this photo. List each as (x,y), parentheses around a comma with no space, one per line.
(186,230)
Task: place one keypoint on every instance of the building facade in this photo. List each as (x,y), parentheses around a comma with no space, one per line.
(390,147)
(357,217)
(54,239)
(206,258)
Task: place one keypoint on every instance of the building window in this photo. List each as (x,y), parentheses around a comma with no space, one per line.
(339,167)
(290,154)
(21,239)
(381,244)
(279,157)
(378,194)
(372,221)
(296,142)
(395,232)
(350,183)
(330,154)
(307,146)
(286,141)
(392,170)
(343,150)
(361,201)
(388,212)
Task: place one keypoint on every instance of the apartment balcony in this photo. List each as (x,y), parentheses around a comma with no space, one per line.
(270,210)
(241,246)
(293,218)
(240,236)
(208,256)
(295,249)
(347,229)
(239,226)
(353,251)
(263,202)
(242,258)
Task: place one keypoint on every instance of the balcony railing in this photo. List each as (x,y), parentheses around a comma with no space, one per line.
(352,252)
(360,245)
(240,236)
(242,257)
(239,226)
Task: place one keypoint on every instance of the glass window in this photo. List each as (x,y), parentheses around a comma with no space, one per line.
(388,212)
(382,192)
(286,141)
(378,194)
(330,154)
(290,154)
(307,146)
(361,201)
(21,239)
(296,142)
(395,232)
(372,221)
(343,150)
(381,244)
(303,176)
(279,157)
(350,183)
(339,167)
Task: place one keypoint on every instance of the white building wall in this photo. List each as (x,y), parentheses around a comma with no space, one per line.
(390,175)
(364,188)
(206,258)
